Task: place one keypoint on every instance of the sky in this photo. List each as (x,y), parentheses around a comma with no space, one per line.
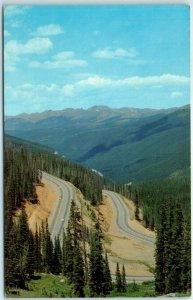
(56,57)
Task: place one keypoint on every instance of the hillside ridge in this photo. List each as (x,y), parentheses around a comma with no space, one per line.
(113,141)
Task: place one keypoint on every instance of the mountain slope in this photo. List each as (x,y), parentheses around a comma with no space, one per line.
(124,144)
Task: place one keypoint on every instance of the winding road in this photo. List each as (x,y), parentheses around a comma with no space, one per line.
(122,218)
(58,220)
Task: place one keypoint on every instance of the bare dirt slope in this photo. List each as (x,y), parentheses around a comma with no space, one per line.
(39,212)
(137,256)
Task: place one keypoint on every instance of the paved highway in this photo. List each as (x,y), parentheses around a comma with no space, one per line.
(122,218)
(58,220)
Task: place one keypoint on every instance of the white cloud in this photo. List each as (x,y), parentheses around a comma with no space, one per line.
(27,90)
(12,10)
(32,97)
(132,82)
(112,53)
(35,45)
(94,81)
(29,97)
(63,55)
(68,90)
(13,50)
(176,94)
(61,60)
(48,30)
(165,79)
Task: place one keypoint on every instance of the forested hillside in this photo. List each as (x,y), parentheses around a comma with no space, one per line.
(165,206)
(123,144)
(27,253)
(90,183)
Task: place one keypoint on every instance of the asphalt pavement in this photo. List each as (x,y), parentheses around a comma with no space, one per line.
(58,220)
(123,216)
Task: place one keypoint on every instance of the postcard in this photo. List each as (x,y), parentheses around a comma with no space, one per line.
(97,151)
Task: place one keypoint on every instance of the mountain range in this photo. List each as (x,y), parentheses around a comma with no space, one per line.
(125,144)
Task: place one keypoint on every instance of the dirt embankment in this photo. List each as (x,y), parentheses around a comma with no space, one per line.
(40,212)
(136,255)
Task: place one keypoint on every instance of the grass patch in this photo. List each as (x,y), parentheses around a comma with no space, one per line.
(146,289)
(49,286)
(107,239)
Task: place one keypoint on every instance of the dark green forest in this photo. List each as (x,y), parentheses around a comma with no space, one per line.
(165,206)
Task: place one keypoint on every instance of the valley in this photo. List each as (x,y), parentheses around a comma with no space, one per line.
(123,144)
(107,224)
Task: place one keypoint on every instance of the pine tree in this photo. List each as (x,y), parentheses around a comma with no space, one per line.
(37,252)
(31,255)
(175,256)
(57,256)
(186,252)
(107,276)
(69,253)
(46,248)
(25,257)
(96,266)
(78,272)
(118,280)
(160,258)
(124,283)
(64,254)
(12,268)
(137,212)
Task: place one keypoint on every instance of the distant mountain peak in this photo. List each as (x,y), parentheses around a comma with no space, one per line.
(99,108)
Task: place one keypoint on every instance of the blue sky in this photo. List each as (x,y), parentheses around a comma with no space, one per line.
(80,56)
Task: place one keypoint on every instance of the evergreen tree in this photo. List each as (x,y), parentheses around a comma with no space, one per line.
(96,266)
(57,257)
(160,259)
(64,254)
(186,252)
(37,252)
(31,255)
(12,269)
(78,272)
(118,280)
(136,206)
(46,248)
(68,257)
(124,283)
(175,256)
(107,276)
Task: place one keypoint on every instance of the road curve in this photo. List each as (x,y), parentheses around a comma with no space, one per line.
(122,218)
(58,220)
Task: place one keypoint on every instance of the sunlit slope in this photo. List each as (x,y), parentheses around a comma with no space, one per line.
(123,144)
